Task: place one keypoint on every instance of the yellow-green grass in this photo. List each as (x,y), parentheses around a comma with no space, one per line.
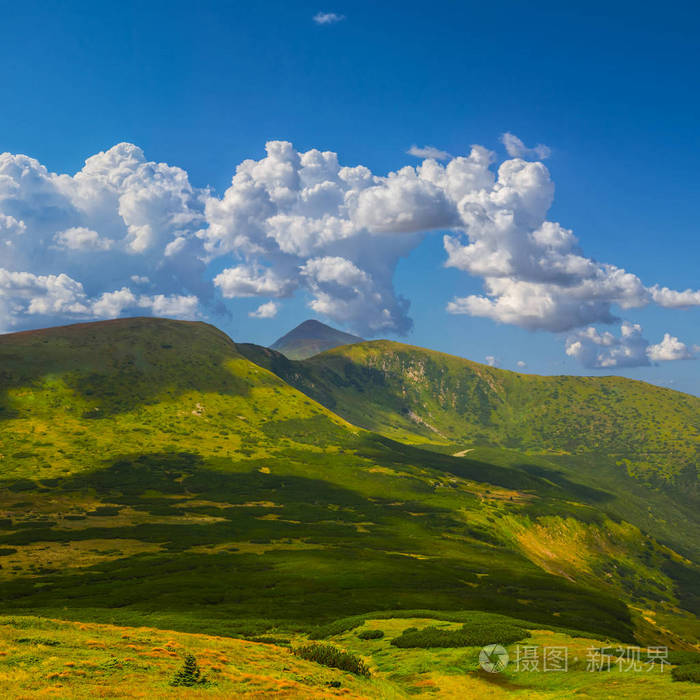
(42,657)
(53,658)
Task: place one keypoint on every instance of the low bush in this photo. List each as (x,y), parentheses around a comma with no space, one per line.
(345,624)
(279,641)
(466,636)
(688,672)
(680,657)
(370,634)
(675,657)
(45,641)
(331,656)
(106,510)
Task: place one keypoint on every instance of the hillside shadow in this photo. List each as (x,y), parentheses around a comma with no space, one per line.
(354,556)
(522,477)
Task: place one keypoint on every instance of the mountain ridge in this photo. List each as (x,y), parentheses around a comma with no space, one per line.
(407,392)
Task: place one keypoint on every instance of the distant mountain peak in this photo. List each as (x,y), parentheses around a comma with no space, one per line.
(311,337)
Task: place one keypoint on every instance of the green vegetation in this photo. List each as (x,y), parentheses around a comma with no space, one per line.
(370,634)
(331,656)
(689,673)
(469,635)
(152,474)
(190,673)
(410,393)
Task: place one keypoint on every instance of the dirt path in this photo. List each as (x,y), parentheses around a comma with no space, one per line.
(463,452)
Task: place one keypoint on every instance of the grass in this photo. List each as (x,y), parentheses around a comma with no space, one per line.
(89,661)
(95,660)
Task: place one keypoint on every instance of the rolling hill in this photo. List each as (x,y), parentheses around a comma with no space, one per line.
(414,394)
(155,472)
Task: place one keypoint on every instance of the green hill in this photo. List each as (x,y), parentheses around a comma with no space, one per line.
(311,337)
(410,393)
(151,472)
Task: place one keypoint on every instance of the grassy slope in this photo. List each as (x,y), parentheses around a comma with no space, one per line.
(151,472)
(411,393)
(46,657)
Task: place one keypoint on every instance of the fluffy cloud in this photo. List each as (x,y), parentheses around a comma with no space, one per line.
(328,18)
(44,295)
(603,350)
(517,149)
(24,294)
(670,348)
(491,361)
(69,240)
(428,152)
(630,349)
(128,235)
(302,221)
(81,238)
(535,274)
(9,227)
(268,310)
(671,299)
(250,281)
(345,292)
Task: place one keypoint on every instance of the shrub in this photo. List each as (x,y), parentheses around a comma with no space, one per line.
(688,672)
(189,674)
(329,655)
(279,641)
(106,510)
(337,627)
(45,641)
(675,657)
(370,634)
(680,657)
(469,635)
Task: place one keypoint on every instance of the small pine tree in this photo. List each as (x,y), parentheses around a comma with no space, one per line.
(189,674)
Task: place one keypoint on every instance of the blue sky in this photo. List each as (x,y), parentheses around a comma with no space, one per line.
(609,90)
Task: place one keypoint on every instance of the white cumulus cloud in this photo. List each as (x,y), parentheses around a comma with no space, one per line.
(90,244)
(600,350)
(671,299)
(81,238)
(669,349)
(251,281)
(268,310)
